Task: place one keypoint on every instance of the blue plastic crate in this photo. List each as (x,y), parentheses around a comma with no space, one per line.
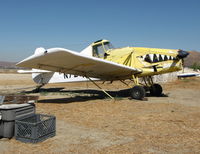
(36,128)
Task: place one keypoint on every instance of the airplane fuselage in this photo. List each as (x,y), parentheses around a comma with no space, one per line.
(151,61)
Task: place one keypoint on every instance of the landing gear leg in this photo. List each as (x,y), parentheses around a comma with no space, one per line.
(139,90)
(101,88)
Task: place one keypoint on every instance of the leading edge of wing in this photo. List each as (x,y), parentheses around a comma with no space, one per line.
(28,61)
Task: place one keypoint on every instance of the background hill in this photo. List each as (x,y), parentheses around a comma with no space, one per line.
(192,59)
(7,65)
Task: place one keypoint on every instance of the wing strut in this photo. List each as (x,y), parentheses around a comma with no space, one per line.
(101,88)
(37,89)
(125,83)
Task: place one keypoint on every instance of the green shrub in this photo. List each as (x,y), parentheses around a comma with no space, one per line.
(195,66)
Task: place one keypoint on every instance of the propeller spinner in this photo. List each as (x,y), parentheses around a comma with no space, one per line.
(182,54)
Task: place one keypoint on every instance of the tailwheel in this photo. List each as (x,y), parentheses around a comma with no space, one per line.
(156,90)
(138,92)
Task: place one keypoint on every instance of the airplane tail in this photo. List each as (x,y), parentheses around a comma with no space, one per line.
(44,77)
(56,77)
(87,51)
(38,76)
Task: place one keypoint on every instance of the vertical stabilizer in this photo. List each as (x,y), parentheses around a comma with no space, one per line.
(87,51)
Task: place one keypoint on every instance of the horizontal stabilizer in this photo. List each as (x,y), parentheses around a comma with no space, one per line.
(32,71)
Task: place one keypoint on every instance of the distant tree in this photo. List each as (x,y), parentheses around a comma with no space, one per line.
(195,66)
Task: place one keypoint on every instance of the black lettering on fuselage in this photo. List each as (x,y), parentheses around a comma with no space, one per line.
(65,76)
(68,76)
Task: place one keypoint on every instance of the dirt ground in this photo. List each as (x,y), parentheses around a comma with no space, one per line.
(89,122)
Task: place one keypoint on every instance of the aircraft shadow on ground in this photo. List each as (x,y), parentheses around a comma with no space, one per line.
(84,95)
(44,90)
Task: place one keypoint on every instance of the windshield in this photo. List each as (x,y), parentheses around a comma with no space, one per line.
(100,49)
(108,46)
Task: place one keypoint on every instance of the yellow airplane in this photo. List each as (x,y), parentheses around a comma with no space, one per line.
(101,60)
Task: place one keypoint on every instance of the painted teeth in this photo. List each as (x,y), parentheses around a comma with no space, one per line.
(153,58)
(161,58)
(168,57)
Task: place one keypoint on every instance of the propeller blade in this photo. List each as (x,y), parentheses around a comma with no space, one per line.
(181,55)
(183,65)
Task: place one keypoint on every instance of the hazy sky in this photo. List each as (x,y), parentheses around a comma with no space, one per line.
(74,24)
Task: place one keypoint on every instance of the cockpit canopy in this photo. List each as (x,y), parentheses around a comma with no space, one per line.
(100,47)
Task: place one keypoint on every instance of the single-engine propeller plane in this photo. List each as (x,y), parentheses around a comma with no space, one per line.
(101,60)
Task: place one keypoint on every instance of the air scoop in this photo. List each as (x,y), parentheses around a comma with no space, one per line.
(182,54)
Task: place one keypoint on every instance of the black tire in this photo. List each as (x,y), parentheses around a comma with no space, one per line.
(138,92)
(156,90)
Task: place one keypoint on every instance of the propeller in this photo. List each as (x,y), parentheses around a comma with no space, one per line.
(181,55)
(183,65)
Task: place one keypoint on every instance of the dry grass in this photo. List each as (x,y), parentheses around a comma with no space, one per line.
(90,124)
(8,71)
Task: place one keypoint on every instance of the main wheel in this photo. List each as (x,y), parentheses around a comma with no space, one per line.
(138,92)
(156,90)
